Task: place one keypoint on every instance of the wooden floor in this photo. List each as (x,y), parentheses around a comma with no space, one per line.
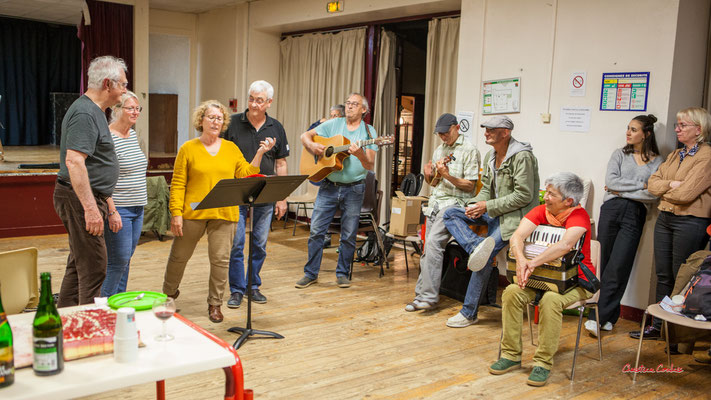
(359,343)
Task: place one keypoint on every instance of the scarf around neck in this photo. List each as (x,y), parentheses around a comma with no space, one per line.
(559,220)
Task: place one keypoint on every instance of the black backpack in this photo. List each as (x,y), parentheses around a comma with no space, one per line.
(697,298)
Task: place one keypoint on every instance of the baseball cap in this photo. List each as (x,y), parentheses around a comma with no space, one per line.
(444,122)
(498,121)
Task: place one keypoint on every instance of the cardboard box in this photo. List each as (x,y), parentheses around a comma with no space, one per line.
(406,214)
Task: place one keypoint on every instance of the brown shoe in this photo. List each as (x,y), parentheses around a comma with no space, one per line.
(174,295)
(214,313)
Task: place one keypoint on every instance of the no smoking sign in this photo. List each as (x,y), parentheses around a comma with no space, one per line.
(577,84)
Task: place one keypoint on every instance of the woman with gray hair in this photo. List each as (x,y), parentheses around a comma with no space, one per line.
(562,208)
(683,183)
(123,227)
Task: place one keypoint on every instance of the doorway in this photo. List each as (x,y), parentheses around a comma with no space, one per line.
(410,69)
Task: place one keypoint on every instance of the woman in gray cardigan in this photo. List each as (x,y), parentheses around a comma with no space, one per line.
(622,215)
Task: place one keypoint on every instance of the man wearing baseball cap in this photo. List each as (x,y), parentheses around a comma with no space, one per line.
(452,173)
(509,190)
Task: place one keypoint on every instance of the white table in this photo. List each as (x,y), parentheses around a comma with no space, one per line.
(193,350)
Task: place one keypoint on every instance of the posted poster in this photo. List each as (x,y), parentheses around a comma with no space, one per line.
(501,96)
(575,119)
(624,91)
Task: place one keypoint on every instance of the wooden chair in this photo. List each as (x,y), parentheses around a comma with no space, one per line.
(19,279)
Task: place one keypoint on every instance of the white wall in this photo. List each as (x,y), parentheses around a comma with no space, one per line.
(173,62)
(217,54)
(170,74)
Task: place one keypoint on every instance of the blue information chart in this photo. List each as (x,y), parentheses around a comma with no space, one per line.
(624,91)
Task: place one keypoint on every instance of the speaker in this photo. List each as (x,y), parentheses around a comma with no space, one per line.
(456,276)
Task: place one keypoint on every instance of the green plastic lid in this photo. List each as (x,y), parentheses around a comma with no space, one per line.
(126,300)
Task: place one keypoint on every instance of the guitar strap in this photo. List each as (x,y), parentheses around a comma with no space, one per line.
(367,130)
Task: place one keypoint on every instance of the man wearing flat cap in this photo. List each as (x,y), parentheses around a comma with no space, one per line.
(453,173)
(509,190)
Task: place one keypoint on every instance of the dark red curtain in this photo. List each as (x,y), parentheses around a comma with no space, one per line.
(110,34)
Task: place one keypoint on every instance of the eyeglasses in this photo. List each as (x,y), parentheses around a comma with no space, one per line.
(682,126)
(133,109)
(121,84)
(260,101)
(352,104)
(214,118)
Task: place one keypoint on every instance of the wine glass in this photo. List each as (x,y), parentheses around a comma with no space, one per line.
(163,309)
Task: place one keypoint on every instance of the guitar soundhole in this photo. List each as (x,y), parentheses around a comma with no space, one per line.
(328,152)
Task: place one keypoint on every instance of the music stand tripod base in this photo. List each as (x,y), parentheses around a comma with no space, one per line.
(250,191)
(247,332)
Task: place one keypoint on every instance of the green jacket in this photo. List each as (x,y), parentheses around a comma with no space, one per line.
(514,190)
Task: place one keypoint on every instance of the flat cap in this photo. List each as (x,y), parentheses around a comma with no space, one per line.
(498,121)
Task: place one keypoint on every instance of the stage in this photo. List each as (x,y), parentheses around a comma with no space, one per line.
(26,193)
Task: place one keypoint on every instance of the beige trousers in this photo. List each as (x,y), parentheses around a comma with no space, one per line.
(550,321)
(219,244)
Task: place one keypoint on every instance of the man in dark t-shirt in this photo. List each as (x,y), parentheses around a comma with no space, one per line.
(563,193)
(246,130)
(88,171)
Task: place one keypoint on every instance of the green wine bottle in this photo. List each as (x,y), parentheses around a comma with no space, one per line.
(7,357)
(47,334)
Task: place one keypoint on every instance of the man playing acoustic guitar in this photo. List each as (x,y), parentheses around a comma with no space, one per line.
(342,189)
(456,187)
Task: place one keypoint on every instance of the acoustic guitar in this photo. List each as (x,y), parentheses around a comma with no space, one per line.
(319,167)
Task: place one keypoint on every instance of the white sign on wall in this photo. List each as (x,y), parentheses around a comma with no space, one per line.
(578,81)
(575,119)
(466,123)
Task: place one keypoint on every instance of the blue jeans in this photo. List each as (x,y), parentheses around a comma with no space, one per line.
(119,249)
(262,215)
(457,224)
(349,200)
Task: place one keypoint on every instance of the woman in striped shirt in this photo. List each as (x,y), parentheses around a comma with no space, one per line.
(126,204)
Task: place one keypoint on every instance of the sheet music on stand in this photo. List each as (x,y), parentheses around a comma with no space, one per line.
(266,189)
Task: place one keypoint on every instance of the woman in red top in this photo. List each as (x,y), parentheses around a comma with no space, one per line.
(563,193)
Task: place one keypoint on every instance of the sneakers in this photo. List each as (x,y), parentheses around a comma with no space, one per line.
(258,297)
(481,254)
(305,282)
(418,305)
(503,366)
(539,376)
(460,321)
(591,327)
(235,300)
(343,282)
(650,333)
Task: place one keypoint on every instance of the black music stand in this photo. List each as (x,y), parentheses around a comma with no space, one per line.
(250,191)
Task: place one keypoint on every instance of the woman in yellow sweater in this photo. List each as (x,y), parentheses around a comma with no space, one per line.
(200,164)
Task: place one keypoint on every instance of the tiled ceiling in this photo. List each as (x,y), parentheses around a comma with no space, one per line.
(69,11)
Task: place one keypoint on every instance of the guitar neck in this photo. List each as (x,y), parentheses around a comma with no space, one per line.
(359,143)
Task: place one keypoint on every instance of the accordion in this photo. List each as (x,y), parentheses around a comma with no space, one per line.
(559,275)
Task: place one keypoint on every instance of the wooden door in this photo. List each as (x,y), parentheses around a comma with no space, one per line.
(163,123)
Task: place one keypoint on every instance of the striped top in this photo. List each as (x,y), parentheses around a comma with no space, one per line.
(130,190)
